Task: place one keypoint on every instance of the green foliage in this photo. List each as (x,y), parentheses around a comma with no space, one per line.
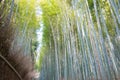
(26,14)
(50,11)
(50,8)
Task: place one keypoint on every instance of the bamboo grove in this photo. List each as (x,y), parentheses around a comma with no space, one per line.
(81,40)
